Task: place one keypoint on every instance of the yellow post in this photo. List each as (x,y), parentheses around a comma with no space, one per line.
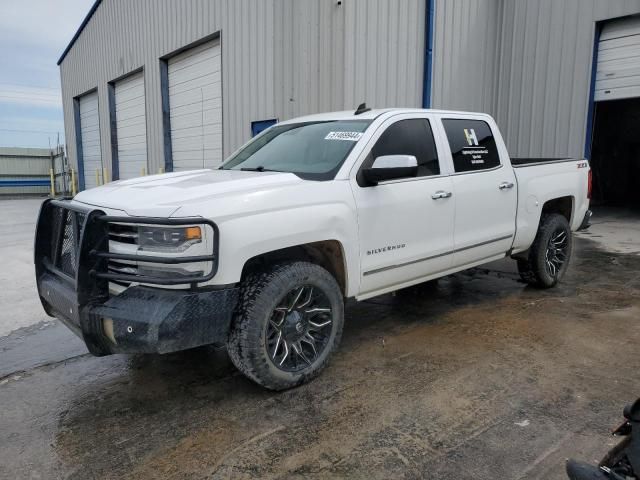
(73,182)
(161,170)
(105,178)
(143,172)
(97,177)
(53,184)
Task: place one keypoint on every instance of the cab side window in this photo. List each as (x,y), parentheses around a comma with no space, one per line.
(409,137)
(472,145)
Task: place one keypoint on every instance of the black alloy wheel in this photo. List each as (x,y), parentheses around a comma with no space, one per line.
(299,328)
(556,254)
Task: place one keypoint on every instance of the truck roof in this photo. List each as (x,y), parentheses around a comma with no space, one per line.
(369,115)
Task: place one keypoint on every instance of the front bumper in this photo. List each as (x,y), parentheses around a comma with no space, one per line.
(71,256)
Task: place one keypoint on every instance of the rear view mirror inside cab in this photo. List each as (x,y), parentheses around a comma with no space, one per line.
(390,167)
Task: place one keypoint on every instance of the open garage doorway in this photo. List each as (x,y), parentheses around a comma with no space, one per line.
(615,158)
(615,147)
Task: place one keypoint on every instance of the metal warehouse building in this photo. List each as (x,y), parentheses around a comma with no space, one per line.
(27,171)
(166,85)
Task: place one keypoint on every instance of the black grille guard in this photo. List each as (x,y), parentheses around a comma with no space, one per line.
(72,243)
(71,255)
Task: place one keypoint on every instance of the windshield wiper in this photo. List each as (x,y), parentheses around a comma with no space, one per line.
(256,169)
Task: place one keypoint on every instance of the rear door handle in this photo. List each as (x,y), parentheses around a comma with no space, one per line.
(441,194)
(505,185)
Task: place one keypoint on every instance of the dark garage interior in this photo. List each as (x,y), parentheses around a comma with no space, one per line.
(615,156)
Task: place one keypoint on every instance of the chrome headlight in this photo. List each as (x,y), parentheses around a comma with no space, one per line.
(168,239)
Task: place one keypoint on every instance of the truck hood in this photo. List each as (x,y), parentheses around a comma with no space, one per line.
(161,195)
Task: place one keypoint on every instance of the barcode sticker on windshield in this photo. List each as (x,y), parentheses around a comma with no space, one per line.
(349,136)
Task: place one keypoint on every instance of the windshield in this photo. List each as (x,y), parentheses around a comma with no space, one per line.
(313,150)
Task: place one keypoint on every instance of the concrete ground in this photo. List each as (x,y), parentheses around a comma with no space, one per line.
(17,282)
(474,377)
(616,230)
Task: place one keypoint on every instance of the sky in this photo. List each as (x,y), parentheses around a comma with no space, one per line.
(33,35)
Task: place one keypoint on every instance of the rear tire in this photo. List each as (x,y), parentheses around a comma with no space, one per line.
(287,324)
(549,255)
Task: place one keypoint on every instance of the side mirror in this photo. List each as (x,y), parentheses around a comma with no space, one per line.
(391,167)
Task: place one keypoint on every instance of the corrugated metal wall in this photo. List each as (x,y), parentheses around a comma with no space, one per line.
(280,58)
(466,53)
(24,164)
(528,63)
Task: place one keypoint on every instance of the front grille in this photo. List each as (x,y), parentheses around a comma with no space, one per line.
(123,233)
(120,233)
(67,231)
(119,267)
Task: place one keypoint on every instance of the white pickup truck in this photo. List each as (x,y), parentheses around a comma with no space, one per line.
(261,253)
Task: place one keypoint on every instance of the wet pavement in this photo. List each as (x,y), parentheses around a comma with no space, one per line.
(474,377)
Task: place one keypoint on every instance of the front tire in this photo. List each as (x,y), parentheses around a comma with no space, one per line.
(549,255)
(287,324)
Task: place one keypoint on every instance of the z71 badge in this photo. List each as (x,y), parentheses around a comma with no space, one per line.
(389,248)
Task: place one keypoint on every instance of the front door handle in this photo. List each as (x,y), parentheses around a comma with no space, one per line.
(505,185)
(441,194)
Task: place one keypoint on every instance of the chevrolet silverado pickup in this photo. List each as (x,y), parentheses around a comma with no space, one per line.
(260,254)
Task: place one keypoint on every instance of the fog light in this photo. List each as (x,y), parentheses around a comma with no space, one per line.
(107,327)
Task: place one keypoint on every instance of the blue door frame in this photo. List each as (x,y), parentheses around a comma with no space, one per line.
(592,91)
(428,54)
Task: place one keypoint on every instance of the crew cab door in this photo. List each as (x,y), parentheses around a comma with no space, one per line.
(405,226)
(484,186)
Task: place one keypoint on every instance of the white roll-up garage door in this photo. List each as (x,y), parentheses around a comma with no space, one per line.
(131,126)
(618,71)
(195,105)
(90,140)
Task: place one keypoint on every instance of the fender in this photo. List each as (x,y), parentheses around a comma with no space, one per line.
(306,212)
(246,237)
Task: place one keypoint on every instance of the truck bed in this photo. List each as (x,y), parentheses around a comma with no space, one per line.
(552,178)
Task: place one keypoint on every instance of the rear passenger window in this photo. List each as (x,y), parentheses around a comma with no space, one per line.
(409,137)
(472,145)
